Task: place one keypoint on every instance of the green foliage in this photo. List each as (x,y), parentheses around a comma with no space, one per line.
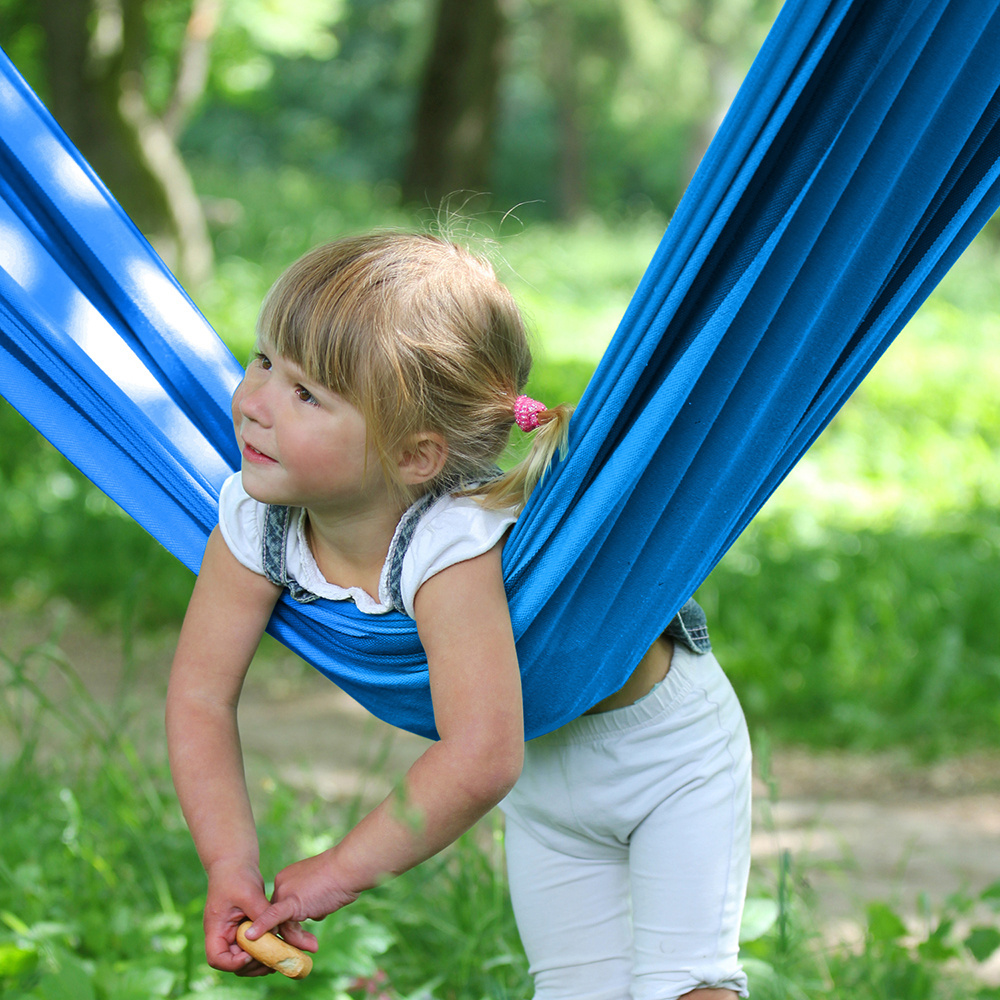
(455,905)
(349,117)
(245,38)
(88,838)
(645,84)
(789,955)
(786,958)
(895,644)
(59,534)
(329,87)
(346,118)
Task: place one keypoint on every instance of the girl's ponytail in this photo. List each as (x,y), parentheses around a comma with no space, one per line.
(551,431)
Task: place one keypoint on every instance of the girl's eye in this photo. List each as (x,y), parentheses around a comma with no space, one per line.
(263,360)
(305,395)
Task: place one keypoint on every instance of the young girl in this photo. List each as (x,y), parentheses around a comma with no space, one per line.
(387,377)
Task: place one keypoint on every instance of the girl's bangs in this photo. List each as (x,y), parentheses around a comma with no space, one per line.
(294,323)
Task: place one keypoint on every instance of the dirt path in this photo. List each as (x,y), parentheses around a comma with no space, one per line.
(861,828)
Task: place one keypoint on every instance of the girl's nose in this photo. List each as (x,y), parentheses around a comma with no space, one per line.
(249,402)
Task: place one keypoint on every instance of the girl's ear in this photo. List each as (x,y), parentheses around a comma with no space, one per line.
(422,458)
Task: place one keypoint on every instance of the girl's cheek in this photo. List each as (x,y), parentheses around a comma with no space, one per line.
(237,416)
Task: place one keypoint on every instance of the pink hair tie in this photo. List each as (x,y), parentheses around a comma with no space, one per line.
(526,412)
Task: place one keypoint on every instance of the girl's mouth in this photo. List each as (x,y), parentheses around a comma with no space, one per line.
(251,454)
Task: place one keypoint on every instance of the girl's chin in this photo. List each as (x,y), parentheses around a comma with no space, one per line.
(257,490)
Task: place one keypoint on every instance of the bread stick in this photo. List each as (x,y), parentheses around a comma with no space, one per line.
(275,953)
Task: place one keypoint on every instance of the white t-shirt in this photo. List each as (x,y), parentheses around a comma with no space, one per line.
(451,530)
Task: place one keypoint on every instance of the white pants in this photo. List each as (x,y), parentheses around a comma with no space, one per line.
(628,844)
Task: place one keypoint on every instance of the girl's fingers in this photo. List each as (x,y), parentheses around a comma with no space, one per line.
(292,932)
(275,915)
(226,957)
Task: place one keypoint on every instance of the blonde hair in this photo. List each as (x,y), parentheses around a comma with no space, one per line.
(420,336)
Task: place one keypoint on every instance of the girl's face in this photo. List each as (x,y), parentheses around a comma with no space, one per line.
(303,445)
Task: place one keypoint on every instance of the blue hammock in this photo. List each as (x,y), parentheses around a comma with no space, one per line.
(858,160)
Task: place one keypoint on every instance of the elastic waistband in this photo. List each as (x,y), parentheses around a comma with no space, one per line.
(661,699)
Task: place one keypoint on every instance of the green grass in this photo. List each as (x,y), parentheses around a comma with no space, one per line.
(101,892)
(895,644)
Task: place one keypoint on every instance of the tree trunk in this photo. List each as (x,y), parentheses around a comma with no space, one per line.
(457,110)
(724,82)
(94,65)
(723,79)
(561,60)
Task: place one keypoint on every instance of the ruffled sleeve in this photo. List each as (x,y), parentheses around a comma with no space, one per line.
(241,521)
(453,530)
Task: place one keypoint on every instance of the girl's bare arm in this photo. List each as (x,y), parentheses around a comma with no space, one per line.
(229,609)
(465,629)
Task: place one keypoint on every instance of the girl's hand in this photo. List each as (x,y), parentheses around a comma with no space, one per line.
(235,892)
(307,890)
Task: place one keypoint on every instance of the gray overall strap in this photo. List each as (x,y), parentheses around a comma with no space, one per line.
(277,520)
(690,628)
(408,525)
(400,543)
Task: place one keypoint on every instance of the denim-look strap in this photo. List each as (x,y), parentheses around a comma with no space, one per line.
(277,520)
(408,525)
(400,543)
(690,627)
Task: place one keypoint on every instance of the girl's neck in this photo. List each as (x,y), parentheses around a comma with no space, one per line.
(350,550)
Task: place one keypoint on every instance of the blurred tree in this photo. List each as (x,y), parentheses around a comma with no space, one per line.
(621,97)
(584,47)
(124,77)
(571,105)
(456,115)
(727,34)
(95,53)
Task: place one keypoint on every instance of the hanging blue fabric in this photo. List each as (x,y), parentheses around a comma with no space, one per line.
(858,160)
